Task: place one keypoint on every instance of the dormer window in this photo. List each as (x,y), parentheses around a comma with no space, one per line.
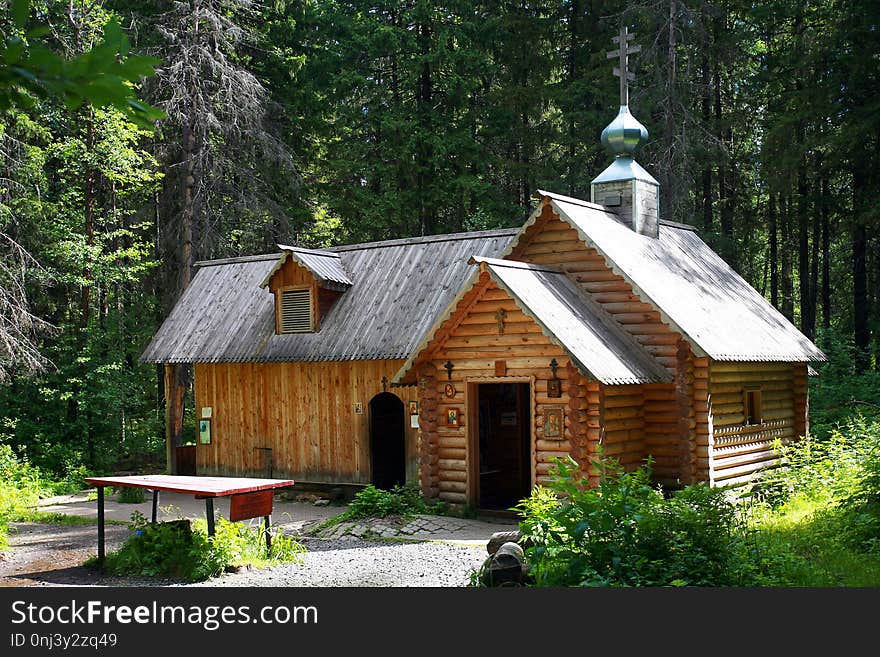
(296,311)
(306,284)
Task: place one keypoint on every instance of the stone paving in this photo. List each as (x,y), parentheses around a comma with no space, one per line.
(419,527)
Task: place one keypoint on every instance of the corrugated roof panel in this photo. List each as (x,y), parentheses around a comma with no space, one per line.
(398,290)
(693,287)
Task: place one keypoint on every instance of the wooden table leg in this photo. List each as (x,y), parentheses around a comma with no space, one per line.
(155,504)
(101,524)
(209,513)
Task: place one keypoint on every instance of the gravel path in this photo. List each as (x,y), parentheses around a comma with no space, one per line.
(53,555)
(359,563)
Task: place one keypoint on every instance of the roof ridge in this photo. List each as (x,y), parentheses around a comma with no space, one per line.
(324,253)
(236,259)
(425,239)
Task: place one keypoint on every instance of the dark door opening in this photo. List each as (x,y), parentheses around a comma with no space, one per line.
(387,441)
(505,430)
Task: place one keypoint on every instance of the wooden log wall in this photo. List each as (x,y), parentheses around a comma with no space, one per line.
(624,424)
(703,433)
(429,441)
(740,450)
(304,412)
(470,340)
(583,422)
(668,409)
(801,398)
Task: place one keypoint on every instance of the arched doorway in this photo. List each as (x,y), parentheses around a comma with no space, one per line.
(387,440)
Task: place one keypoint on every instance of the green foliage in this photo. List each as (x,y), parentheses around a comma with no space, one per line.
(627,533)
(21,485)
(102,76)
(179,550)
(130,495)
(372,502)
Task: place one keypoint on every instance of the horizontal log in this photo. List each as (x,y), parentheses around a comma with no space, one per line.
(549,456)
(452,464)
(616,297)
(452,454)
(622,413)
(633,436)
(510,328)
(453,475)
(453,486)
(563,232)
(749,377)
(454,498)
(739,366)
(598,275)
(727,473)
(551,445)
(621,401)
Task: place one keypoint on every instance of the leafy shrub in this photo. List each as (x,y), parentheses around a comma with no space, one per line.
(131,495)
(372,502)
(21,486)
(182,550)
(627,533)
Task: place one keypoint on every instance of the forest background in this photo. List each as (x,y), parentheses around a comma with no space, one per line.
(319,123)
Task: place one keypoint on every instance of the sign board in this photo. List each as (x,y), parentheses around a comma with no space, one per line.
(250,505)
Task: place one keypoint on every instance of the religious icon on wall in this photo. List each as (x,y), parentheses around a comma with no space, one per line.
(449,390)
(451,417)
(553,422)
(205,431)
(414,408)
(554,388)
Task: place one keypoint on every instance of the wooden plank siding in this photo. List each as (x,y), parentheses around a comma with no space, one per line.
(470,340)
(304,412)
(739,449)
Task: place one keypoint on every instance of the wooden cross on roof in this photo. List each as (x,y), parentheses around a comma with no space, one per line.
(622,53)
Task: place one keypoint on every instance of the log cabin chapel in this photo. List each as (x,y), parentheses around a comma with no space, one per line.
(467,363)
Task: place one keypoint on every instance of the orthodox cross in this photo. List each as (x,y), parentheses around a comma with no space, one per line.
(384,384)
(500,315)
(622,54)
(448,367)
(554,366)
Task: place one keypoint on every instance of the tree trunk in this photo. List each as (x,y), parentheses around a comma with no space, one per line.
(774,251)
(826,257)
(807,323)
(787,283)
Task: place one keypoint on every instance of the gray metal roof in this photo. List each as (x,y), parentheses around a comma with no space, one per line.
(325,266)
(694,290)
(398,290)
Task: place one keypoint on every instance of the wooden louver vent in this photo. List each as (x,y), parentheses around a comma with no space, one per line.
(296,311)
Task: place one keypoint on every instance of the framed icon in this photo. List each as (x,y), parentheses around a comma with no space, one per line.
(452,417)
(449,390)
(414,408)
(553,422)
(205,431)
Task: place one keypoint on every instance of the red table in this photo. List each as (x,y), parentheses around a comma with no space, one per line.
(245,492)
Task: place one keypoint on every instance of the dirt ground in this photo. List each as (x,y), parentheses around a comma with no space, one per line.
(43,554)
